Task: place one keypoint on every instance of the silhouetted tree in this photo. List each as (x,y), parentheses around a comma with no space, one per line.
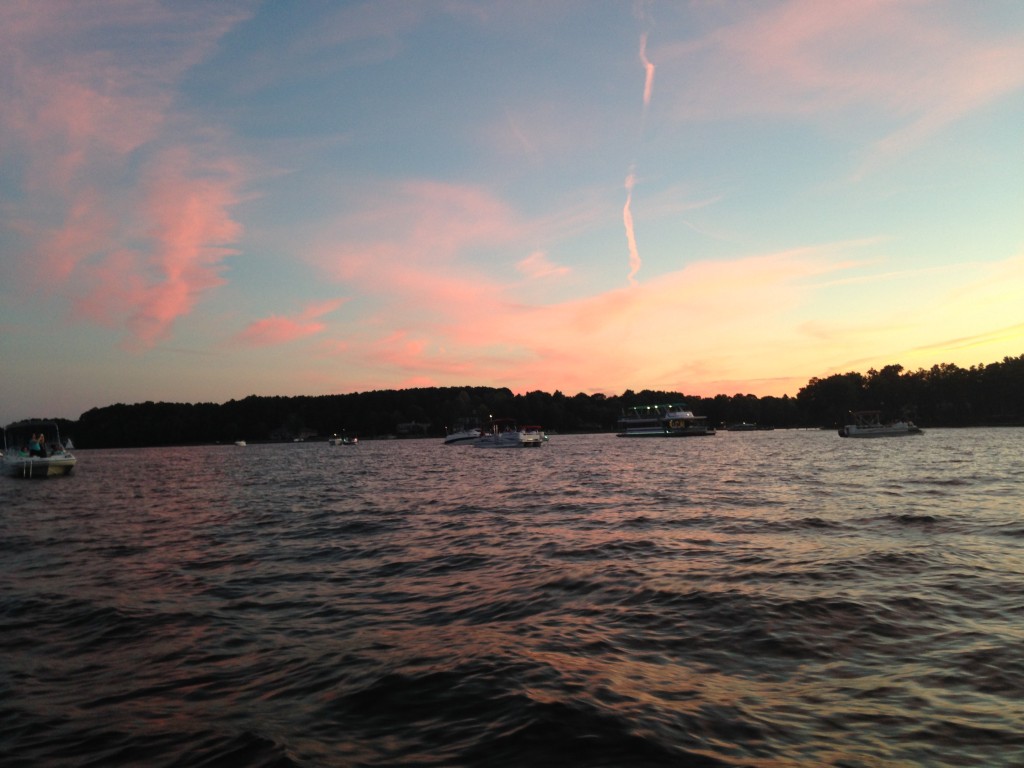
(944,395)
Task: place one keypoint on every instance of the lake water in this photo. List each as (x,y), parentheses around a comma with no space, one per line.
(784,598)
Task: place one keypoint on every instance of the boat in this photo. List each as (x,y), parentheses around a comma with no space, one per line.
(504,433)
(534,429)
(240,443)
(33,449)
(869,424)
(342,440)
(741,426)
(664,420)
(462,434)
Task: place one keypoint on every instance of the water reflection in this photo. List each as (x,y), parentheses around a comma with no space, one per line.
(753,598)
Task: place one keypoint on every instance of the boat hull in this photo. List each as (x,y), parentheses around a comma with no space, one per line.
(37,468)
(869,424)
(692,433)
(466,437)
(660,431)
(509,440)
(663,421)
(33,449)
(894,430)
(504,433)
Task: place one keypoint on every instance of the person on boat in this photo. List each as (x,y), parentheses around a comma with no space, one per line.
(36,446)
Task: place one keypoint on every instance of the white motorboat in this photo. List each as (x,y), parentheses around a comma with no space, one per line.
(33,449)
(463,434)
(505,434)
(869,424)
(668,420)
(342,440)
(535,432)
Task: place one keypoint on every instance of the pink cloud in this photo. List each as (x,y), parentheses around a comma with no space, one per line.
(87,227)
(439,316)
(909,63)
(165,254)
(420,222)
(651,334)
(111,285)
(537,266)
(431,247)
(124,204)
(280,330)
(413,248)
(190,231)
(689,330)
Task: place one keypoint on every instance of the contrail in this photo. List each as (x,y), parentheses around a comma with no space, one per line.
(627,213)
(649,69)
(627,219)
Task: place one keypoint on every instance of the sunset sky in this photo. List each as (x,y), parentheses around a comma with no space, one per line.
(201,201)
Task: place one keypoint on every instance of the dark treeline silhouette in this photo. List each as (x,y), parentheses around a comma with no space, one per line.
(944,396)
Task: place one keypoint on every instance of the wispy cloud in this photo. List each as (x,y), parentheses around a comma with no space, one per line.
(537,265)
(413,223)
(627,219)
(279,329)
(906,70)
(125,202)
(658,341)
(469,324)
(635,263)
(648,70)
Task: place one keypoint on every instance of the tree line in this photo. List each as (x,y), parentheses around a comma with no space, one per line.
(943,396)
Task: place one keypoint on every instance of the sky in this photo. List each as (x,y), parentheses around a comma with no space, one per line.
(204,201)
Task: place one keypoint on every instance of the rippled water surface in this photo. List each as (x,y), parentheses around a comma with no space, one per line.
(763,599)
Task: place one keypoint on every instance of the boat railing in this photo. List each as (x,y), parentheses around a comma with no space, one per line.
(17,437)
(658,411)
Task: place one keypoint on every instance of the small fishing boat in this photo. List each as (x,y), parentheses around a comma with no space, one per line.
(33,449)
(869,424)
(668,420)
